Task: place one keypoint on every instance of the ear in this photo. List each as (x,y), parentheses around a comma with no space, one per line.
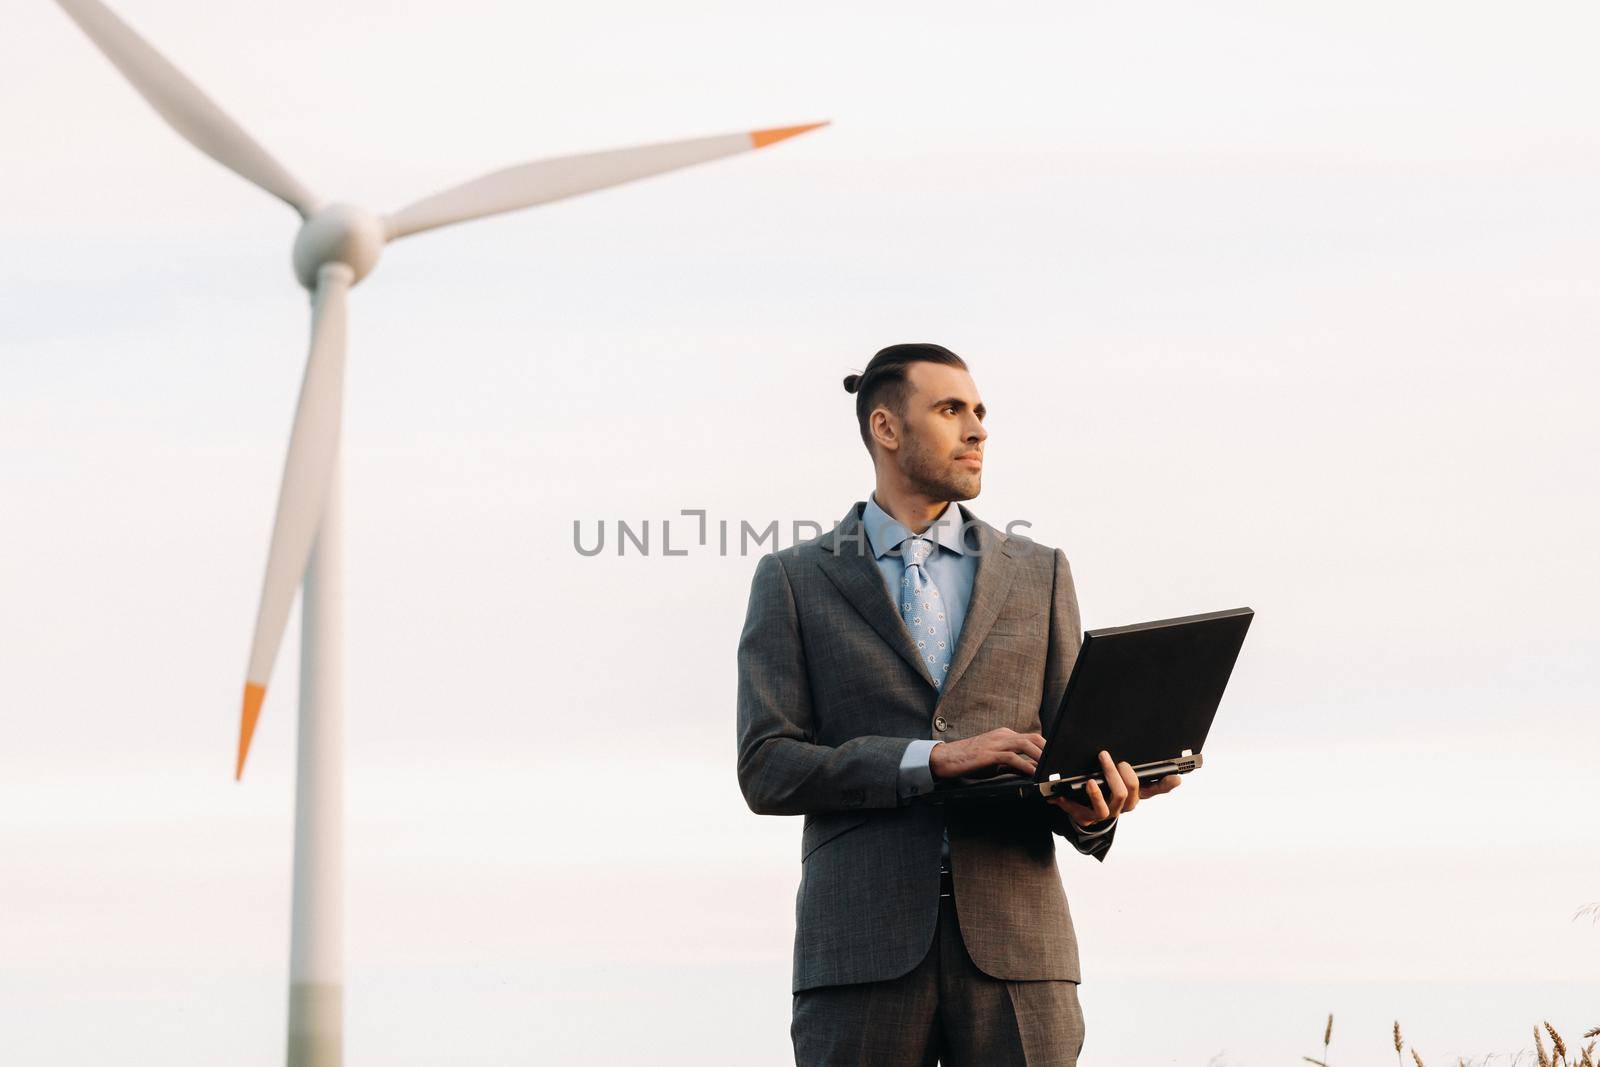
(885,429)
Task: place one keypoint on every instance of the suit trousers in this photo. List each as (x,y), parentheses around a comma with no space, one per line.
(944,1011)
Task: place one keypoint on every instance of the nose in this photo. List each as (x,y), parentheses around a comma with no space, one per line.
(976,434)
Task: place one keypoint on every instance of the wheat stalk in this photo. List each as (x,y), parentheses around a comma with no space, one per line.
(1559,1056)
(1556,1042)
(1327,1035)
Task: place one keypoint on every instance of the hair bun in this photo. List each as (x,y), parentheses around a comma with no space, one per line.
(851,382)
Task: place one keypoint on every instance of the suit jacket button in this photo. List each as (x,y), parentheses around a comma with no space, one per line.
(939,723)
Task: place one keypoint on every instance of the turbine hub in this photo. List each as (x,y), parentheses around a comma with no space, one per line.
(338,233)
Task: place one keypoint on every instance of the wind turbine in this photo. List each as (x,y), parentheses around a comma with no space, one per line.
(337,245)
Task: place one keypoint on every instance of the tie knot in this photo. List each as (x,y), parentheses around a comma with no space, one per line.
(916,550)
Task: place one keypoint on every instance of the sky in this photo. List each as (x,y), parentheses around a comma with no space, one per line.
(1287,306)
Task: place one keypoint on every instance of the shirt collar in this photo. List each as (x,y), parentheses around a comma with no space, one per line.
(884,532)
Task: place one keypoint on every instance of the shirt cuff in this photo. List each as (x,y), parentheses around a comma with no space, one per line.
(916,776)
(1096,833)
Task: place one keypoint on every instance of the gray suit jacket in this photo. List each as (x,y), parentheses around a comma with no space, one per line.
(831,689)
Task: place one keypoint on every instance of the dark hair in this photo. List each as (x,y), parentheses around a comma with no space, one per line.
(884,380)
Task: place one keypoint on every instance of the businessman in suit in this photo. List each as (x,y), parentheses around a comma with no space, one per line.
(911,643)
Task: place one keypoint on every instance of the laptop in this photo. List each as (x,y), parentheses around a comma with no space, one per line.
(1145,693)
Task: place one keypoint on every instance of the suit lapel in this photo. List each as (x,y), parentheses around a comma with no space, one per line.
(848,562)
(991,582)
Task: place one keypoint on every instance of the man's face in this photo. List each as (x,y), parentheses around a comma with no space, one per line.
(942,434)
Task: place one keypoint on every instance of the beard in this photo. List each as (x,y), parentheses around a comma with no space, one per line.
(937,475)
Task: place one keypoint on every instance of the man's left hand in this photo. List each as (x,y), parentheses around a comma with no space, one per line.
(1126,792)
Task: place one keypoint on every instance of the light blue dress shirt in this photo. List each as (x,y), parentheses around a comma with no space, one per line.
(952,569)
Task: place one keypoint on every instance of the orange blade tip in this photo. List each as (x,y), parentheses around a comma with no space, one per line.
(762,138)
(253,696)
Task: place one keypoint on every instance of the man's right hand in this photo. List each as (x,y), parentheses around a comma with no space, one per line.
(997,751)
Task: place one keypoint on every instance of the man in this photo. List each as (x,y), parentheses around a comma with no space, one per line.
(915,642)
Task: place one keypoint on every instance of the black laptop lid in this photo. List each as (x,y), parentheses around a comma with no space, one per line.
(1144,692)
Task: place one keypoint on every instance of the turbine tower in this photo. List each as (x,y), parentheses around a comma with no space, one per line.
(337,245)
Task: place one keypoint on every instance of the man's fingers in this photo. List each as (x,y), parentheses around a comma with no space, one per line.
(1118,790)
(1003,749)
(1130,782)
(1097,803)
(1081,816)
(1021,763)
(1004,739)
(1114,783)
(1166,785)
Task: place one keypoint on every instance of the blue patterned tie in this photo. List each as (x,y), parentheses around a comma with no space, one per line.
(922,609)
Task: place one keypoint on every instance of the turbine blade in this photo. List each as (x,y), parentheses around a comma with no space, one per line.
(545,180)
(184,106)
(307,473)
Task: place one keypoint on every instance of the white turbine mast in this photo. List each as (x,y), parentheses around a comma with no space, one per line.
(337,245)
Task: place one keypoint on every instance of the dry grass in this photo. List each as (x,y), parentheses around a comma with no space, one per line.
(1556,1042)
(1327,1036)
(1558,1056)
